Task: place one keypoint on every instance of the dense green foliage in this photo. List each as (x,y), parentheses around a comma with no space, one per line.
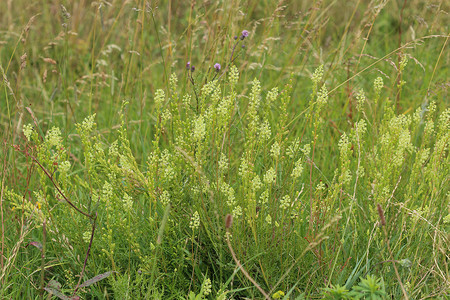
(224,150)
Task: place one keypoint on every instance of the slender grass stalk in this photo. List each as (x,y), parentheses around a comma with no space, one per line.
(87,254)
(228,223)
(43,251)
(159,240)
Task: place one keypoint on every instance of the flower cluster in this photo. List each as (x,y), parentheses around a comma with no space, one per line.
(360,100)
(195,221)
(237,211)
(206,287)
(264,198)
(53,137)
(293,148)
(317,77)
(199,129)
(256,183)
(27,131)
(298,169)
(233,76)
(223,163)
(275,150)
(403,62)
(229,192)
(264,131)
(86,236)
(361,127)
(272,96)
(88,124)
(64,167)
(107,193)
(322,96)
(165,198)
(377,85)
(125,164)
(244,168)
(127,202)
(159,97)
(187,99)
(173,83)
(285,202)
(306,150)
(270,176)
(167,165)
(344,146)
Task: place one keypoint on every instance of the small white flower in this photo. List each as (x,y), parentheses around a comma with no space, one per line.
(269,220)
(360,99)
(264,198)
(256,183)
(298,169)
(322,95)
(27,131)
(125,163)
(320,186)
(199,129)
(107,192)
(195,221)
(378,85)
(361,127)
(272,95)
(233,75)
(244,167)
(114,149)
(306,150)
(53,137)
(237,212)
(275,150)
(64,167)
(206,287)
(223,163)
(187,99)
(173,80)
(88,123)
(86,236)
(264,131)
(285,202)
(318,75)
(165,198)
(127,202)
(270,176)
(160,97)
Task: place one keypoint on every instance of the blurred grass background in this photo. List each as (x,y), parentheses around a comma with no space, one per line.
(88,56)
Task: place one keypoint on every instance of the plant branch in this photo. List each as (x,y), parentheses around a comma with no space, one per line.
(87,254)
(59,190)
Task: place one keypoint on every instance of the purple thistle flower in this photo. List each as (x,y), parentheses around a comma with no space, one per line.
(244,34)
(217,67)
(192,68)
(235,37)
(188,65)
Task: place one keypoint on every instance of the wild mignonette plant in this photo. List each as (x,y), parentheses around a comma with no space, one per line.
(157,227)
(149,154)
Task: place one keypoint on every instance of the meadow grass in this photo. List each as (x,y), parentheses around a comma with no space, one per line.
(311,163)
